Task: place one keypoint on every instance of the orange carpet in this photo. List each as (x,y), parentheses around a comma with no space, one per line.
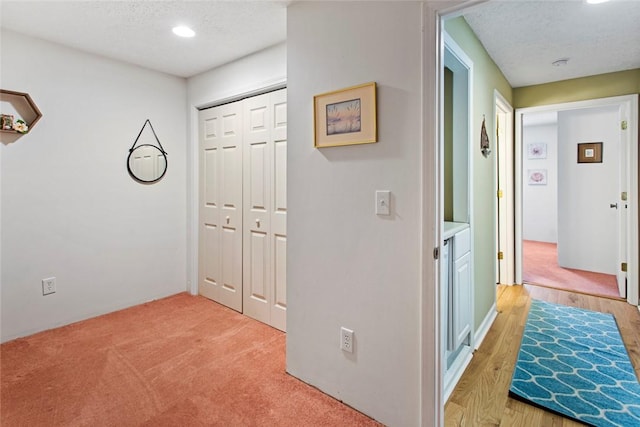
(540,266)
(179,361)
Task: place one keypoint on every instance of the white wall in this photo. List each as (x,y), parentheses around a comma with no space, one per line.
(587,227)
(540,202)
(346,266)
(264,69)
(69,207)
(259,70)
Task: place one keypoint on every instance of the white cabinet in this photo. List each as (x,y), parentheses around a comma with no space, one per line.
(461,300)
(460,289)
(457,303)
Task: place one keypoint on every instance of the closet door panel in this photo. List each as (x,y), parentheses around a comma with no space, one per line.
(220,213)
(210,264)
(231,206)
(278,181)
(208,223)
(257,158)
(279,300)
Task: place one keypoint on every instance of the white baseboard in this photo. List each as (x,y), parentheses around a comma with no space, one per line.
(453,375)
(484,327)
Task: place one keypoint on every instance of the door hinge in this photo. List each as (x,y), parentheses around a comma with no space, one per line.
(623,125)
(436,253)
(623,196)
(500,255)
(500,194)
(623,266)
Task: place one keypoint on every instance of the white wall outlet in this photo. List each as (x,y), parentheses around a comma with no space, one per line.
(346,340)
(49,286)
(383,199)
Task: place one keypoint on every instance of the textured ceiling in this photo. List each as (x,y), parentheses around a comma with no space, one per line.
(139,32)
(525,37)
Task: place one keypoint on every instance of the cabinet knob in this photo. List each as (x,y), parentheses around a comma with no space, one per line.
(258,223)
(228,219)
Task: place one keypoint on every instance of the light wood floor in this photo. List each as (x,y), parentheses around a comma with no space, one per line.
(481,398)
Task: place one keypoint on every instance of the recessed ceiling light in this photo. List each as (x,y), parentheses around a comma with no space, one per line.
(560,62)
(183,31)
(596,1)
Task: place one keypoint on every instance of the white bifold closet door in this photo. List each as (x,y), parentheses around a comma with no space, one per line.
(220,234)
(265,208)
(262,141)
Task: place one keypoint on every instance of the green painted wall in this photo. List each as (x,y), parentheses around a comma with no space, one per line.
(487,77)
(593,87)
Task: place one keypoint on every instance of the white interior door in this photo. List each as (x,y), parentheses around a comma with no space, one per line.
(588,193)
(505,191)
(265,206)
(220,217)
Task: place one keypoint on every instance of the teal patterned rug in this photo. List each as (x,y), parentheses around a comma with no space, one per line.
(573,362)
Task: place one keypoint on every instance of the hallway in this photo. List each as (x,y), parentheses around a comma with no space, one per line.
(482,395)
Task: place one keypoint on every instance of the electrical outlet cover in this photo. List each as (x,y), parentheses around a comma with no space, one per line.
(346,340)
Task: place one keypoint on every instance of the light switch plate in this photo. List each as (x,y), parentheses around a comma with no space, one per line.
(383,201)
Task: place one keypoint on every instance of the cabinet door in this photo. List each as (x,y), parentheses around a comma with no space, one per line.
(461,299)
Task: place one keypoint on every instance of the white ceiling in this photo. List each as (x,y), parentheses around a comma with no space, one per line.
(523,37)
(139,32)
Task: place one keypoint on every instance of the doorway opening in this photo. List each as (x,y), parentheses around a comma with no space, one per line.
(574,225)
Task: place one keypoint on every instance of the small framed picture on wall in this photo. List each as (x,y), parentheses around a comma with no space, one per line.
(346,116)
(590,152)
(537,177)
(537,150)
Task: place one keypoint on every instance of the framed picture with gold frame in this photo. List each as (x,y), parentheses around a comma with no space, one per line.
(345,116)
(590,152)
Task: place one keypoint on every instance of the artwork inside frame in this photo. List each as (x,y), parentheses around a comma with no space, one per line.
(6,121)
(537,177)
(590,152)
(537,150)
(345,116)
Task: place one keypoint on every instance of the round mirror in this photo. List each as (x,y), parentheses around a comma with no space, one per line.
(147,163)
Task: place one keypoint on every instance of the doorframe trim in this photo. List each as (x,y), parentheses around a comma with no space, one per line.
(631,102)
(431,386)
(463,64)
